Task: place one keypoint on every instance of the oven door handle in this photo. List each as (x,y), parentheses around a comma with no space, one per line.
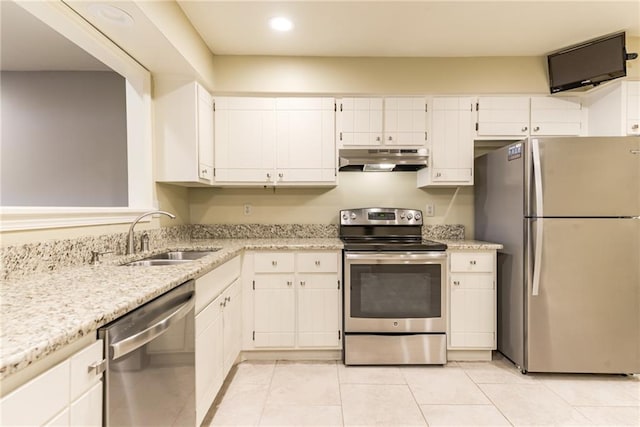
(406,257)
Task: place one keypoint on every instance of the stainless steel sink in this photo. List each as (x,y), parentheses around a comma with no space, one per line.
(170,258)
(182,255)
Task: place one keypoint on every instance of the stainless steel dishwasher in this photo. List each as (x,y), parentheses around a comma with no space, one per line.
(150,376)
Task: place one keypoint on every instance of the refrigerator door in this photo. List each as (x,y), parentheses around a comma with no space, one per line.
(499,217)
(584,316)
(585,177)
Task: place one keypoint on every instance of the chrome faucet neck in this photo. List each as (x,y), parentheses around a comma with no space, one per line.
(130,244)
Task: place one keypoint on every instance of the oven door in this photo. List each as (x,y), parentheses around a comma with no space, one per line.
(391,292)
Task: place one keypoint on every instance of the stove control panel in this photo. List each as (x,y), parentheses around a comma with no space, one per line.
(380,216)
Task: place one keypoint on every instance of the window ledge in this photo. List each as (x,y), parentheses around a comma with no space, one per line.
(37,218)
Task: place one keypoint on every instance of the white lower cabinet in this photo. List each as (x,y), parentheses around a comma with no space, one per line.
(218,327)
(472,300)
(296,300)
(68,394)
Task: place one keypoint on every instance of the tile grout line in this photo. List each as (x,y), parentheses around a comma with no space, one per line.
(340,395)
(264,404)
(488,398)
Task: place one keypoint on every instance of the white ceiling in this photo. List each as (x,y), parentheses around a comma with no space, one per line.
(408,28)
(326,28)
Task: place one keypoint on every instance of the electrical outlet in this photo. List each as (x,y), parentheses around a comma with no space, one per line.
(430,210)
(247,209)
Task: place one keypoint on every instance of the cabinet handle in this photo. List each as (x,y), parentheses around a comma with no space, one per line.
(227,299)
(274,263)
(438,174)
(302,283)
(223,303)
(377,138)
(268,175)
(390,138)
(98,367)
(204,171)
(536,129)
(318,263)
(289,283)
(524,129)
(472,262)
(635,126)
(280,175)
(456,282)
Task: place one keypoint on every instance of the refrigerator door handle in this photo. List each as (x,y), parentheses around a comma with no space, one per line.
(537,260)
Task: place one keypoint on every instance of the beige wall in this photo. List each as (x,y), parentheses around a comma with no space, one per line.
(321,206)
(241,74)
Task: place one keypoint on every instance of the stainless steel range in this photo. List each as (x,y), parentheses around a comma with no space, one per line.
(394,295)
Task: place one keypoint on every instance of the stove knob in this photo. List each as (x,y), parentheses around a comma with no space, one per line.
(402,215)
(353,216)
(345,216)
(418,216)
(409,216)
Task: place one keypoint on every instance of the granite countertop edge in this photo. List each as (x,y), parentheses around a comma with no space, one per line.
(45,312)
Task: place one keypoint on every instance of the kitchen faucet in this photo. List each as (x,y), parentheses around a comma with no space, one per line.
(130,246)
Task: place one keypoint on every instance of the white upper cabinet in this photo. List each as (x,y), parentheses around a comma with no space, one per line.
(374,122)
(275,141)
(614,109)
(503,116)
(522,116)
(451,143)
(183,132)
(554,115)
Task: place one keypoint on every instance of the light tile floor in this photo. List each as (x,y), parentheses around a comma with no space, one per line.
(458,394)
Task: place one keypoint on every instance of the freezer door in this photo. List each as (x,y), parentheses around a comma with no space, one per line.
(585,177)
(583,314)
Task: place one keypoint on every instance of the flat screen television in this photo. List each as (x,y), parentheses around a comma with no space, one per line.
(589,63)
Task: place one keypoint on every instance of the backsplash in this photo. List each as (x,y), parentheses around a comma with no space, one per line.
(23,260)
(264,231)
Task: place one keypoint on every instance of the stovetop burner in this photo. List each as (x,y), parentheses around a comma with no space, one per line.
(384,229)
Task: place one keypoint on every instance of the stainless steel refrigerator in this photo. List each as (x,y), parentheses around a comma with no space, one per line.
(567,211)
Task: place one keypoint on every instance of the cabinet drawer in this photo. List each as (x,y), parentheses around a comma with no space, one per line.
(472,262)
(471,280)
(214,282)
(81,378)
(317,262)
(273,262)
(39,400)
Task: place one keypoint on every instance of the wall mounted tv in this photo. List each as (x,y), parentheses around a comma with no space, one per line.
(589,63)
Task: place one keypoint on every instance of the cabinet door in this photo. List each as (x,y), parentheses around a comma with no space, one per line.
(209,356)
(633,108)
(318,310)
(503,116)
(274,310)
(232,321)
(472,310)
(452,141)
(305,140)
(556,115)
(245,137)
(49,390)
(205,134)
(87,410)
(360,121)
(405,121)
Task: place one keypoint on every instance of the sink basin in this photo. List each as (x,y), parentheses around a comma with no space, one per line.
(181,255)
(150,262)
(170,258)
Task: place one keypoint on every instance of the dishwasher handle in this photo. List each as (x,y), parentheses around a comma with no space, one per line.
(125,346)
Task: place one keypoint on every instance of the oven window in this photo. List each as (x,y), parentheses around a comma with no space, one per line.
(396,290)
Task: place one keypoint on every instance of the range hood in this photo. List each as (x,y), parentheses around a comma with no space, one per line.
(378,160)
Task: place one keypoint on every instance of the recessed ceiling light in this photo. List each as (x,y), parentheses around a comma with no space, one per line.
(280,23)
(111,14)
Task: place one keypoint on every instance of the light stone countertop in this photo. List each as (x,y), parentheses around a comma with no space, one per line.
(44,312)
(470,244)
